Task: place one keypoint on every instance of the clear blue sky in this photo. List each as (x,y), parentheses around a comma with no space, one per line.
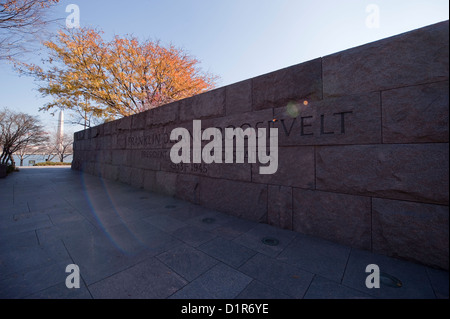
(235,39)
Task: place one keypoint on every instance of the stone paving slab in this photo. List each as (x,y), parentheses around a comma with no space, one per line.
(187,261)
(286,278)
(150,279)
(258,290)
(318,256)
(323,288)
(227,251)
(130,243)
(220,282)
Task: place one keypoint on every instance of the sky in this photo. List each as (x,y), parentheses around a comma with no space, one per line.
(234,39)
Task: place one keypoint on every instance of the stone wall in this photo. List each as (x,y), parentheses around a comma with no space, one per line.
(363,147)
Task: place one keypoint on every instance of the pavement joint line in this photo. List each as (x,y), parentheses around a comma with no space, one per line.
(309,286)
(37,237)
(246,286)
(286,246)
(431,283)
(346,264)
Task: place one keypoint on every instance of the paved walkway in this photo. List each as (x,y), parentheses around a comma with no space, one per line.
(129,243)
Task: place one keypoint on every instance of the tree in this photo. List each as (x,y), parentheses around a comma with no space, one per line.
(60,147)
(21,22)
(18,131)
(113,79)
(29,150)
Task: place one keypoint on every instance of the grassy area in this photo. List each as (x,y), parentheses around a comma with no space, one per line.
(51,164)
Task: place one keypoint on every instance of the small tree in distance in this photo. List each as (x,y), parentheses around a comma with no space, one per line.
(60,147)
(17,132)
(28,151)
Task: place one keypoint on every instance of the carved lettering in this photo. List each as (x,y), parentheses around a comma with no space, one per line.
(342,114)
(290,129)
(149,140)
(154,154)
(303,125)
(304,128)
(189,168)
(322,126)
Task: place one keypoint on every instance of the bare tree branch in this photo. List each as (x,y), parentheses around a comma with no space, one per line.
(21,24)
(60,148)
(18,131)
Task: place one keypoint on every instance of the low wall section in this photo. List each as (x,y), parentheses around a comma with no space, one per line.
(364,163)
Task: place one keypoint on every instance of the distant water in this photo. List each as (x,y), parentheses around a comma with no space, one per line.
(34,159)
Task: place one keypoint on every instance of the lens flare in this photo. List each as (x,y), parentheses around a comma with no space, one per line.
(292,109)
(98,196)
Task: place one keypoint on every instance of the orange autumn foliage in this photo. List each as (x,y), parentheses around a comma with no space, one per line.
(112,79)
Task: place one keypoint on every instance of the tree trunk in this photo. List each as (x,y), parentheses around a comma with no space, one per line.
(11,158)
(2,157)
(6,157)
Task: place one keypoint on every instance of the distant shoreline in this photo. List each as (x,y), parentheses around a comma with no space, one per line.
(35,159)
(49,166)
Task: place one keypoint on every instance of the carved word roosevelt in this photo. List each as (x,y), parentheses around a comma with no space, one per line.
(306,124)
(300,126)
